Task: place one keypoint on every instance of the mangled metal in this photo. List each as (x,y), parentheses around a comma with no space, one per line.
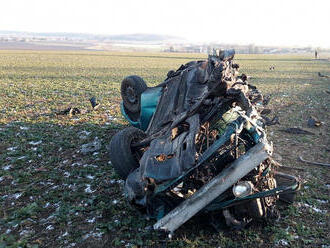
(204,148)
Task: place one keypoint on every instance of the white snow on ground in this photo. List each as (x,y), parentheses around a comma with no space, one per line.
(119,181)
(25,232)
(92,220)
(24,128)
(49,227)
(323,201)
(84,134)
(317,210)
(12,148)
(17,195)
(90,165)
(90,177)
(88,189)
(6,167)
(34,143)
(282,242)
(22,157)
(115,202)
(76,164)
(67,174)
(96,235)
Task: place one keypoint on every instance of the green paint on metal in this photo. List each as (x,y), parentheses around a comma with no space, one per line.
(149,101)
(276,191)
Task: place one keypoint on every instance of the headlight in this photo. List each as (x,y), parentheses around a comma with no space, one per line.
(242,189)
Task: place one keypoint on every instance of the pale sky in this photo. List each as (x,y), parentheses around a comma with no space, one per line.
(263,22)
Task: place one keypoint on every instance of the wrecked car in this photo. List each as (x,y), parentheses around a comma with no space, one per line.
(197,145)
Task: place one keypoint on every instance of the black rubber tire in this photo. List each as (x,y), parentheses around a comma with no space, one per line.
(123,158)
(131,89)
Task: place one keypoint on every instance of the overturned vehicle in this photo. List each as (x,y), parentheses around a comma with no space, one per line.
(198,145)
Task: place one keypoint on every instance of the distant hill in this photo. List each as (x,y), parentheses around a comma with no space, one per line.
(83,36)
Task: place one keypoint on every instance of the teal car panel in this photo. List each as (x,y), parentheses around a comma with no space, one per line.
(149,100)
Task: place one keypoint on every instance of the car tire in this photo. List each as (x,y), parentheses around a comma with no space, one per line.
(123,158)
(131,89)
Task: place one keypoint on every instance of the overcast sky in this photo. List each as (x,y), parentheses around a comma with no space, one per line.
(275,22)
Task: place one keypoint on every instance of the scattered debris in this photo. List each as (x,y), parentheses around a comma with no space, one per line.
(266,100)
(272,68)
(70,111)
(321,75)
(313,122)
(270,122)
(94,104)
(314,163)
(296,130)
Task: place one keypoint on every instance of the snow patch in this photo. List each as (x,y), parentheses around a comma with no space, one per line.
(282,242)
(34,143)
(88,189)
(17,195)
(315,209)
(6,167)
(49,228)
(92,220)
(67,174)
(11,149)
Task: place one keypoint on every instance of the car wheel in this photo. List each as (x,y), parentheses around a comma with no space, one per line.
(122,156)
(131,89)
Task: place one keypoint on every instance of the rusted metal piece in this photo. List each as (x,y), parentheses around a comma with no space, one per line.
(219,184)
(314,163)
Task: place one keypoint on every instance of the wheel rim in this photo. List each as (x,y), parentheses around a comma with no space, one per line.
(130,95)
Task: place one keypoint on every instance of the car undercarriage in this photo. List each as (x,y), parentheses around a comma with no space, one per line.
(199,145)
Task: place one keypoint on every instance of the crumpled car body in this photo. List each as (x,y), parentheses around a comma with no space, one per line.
(200,146)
